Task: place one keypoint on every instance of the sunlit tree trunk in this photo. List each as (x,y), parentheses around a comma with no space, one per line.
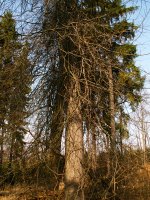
(121,136)
(93,159)
(112,131)
(112,110)
(74,149)
(143,132)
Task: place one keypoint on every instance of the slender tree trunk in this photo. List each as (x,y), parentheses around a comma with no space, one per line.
(113,131)
(91,142)
(108,155)
(93,152)
(10,179)
(11,151)
(2,149)
(121,143)
(112,111)
(143,131)
(88,140)
(74,150)
(57,128)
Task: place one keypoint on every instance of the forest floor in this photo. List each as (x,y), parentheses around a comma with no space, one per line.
(138,188)
(29,193)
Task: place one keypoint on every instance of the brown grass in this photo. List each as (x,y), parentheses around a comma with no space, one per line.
(137,188)
(30,193)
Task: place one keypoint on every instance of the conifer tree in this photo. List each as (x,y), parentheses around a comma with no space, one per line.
(15,80)
(94,59)
(119,54)
(84,75)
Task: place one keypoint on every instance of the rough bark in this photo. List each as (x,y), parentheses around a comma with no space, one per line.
(112,131)
(74,150)
(112,110)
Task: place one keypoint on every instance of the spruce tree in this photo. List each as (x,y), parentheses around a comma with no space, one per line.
(15,81)
(94,61)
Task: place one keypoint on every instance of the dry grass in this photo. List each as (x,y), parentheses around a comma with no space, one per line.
(29,193)
(138,185)
(137,188)
(9,198)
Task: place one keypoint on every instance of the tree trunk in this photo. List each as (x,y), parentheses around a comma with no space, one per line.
(113,131)
(121,138)
(93,152)
(112,111)
(143,131)
(74,150)
(55,139)
(11,150)
(91,147)
(2,150)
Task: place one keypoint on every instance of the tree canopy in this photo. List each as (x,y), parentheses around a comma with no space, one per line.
(84,76)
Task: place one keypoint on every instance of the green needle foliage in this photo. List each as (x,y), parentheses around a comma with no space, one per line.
(81,40)
(85,76)
(15,81)
(84,55)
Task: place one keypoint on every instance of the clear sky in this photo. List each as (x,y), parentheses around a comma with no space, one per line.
(142,39)
(141,18)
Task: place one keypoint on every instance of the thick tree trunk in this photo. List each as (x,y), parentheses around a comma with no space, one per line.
(74,150)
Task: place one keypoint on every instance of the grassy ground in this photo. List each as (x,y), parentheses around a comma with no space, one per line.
(29,193)
(137,188)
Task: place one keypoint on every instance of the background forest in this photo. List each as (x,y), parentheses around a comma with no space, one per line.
(73,112)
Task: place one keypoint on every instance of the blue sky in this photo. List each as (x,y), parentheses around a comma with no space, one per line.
(141,17)
(142,39)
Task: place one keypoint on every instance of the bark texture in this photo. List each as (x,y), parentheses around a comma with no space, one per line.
(112,111)
(74,150)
